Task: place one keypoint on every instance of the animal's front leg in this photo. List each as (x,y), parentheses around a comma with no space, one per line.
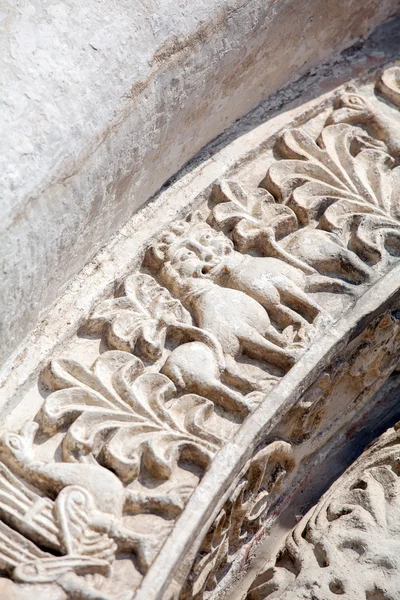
(347,265)
(256,346)
(321,283)
(298,300)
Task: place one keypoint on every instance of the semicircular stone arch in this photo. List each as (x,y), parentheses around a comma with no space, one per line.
(233,352)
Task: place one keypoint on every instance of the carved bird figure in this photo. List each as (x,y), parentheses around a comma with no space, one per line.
(106,491)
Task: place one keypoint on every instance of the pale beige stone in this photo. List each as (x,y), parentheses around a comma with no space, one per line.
(103,101)
(149,454)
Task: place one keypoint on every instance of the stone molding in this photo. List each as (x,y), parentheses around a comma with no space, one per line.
(195,399)
(298,416)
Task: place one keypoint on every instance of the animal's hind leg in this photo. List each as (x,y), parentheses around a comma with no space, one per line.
(256,346)
(235,375)
(227,398)
(272,335)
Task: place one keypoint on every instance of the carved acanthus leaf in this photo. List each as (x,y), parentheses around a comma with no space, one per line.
(249,214)
(344,184)
(126,418)
(139,319)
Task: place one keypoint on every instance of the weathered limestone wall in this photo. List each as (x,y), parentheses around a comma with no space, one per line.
(104,100)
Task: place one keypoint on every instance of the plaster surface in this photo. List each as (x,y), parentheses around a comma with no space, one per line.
(102,102)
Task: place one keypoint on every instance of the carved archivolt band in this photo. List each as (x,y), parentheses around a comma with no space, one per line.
(370,329)
(255,330)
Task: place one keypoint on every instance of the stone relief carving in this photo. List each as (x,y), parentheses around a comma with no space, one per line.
(346,185)
(240,518)
(147,318)
(139,320)
(348,544)
(356,109)
(257,222)
(73,510)
(225,304)
(389,84)
(115,415)
(191,258)
(343,388)
(134,421)
(346,384)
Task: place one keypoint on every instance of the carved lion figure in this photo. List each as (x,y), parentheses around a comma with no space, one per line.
(279,287)
(195,270)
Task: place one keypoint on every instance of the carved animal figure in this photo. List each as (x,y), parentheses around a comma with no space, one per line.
(194,367)
(238,321)
(107,491)
(18,454)
(277,286)
(355,109)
